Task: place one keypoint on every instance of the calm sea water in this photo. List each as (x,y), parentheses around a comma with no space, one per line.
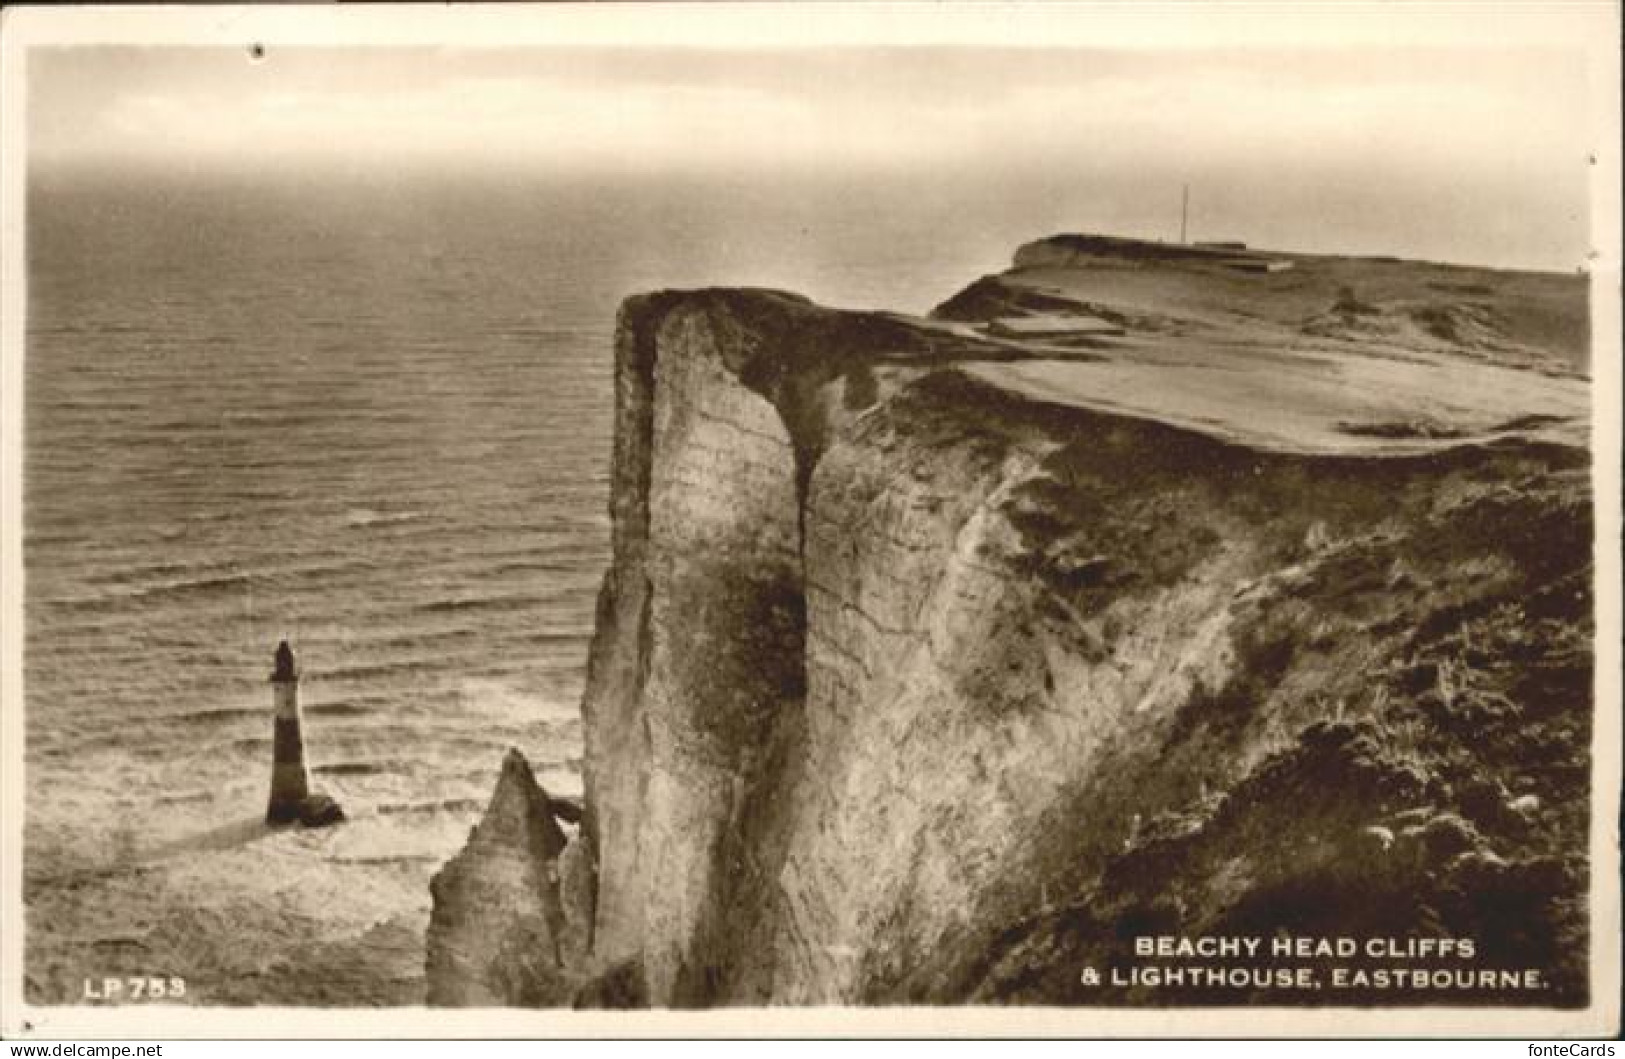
(372,415)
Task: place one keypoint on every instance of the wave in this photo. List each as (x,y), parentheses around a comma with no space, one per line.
(377,671)
(211,714)
(338,709)
(361,518)
(214,584)
(500,603)
(364,768)
(388,858)
(444,805)
(186,797)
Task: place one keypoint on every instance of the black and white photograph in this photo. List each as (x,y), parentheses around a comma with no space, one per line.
(1097,519)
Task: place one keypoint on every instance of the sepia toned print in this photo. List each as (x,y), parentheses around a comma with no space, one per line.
(1055,531)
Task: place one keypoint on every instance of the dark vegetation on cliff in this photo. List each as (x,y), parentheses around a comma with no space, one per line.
(1399,749)
(935,666)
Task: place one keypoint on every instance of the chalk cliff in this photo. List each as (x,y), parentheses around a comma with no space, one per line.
(510,920)
(1132,593)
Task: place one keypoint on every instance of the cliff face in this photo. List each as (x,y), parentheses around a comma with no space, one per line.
(933,666)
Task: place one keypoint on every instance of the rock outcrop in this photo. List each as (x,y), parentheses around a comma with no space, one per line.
(507,929)
(320,809)
(933,665)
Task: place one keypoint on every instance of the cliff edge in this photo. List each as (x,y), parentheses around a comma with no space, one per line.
(1131,594)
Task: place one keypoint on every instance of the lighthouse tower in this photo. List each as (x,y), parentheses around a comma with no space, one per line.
(290,785)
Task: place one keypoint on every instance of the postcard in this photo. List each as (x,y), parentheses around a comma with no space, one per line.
(1019,519)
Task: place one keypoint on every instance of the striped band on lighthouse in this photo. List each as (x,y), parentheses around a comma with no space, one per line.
(290,785)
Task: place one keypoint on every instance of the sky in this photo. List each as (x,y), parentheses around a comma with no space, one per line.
(1475,154)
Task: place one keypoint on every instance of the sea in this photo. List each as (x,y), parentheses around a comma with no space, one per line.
(369,411)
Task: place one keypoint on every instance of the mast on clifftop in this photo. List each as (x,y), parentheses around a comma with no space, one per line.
(1184,212)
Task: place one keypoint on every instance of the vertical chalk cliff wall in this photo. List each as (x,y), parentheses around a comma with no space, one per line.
(913,682)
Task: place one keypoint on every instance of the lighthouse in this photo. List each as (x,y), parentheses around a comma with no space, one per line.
(291,798)
(290,785)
